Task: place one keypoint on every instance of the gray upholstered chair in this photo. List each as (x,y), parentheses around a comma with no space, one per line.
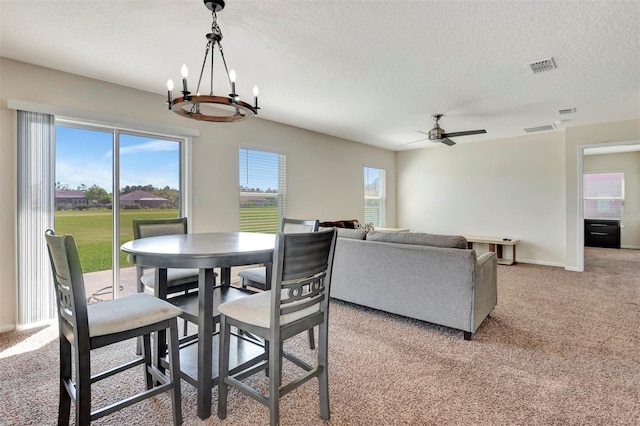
(85,327)
(298,301)
(178,280)
(257,277)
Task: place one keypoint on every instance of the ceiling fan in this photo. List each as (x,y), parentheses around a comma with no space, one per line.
(437,134)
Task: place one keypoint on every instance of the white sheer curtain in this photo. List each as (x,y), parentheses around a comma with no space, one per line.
(36,183)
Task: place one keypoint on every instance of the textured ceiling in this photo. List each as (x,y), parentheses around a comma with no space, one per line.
(369,71)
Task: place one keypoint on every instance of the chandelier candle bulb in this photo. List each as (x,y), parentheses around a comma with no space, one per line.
(232,79)
(169,90)
(185,73)
(256,92)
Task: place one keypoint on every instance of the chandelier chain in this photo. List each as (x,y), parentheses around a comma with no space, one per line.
(204,63)
(215,29)
(189,104)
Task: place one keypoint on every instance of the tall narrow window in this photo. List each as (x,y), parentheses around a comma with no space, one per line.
(262,190)
(375,194)
(603,195)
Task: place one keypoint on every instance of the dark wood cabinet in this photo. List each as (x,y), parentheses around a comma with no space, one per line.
(602,233)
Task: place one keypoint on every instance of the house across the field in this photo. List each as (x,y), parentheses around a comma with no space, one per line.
(66,200)
(143,199)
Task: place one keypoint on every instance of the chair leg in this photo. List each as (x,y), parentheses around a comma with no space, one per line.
(139,338)
(83,386)
(223,367)
(64,404)
(275,378)
(147,360)
(174,371)
(323,378)
(312,340)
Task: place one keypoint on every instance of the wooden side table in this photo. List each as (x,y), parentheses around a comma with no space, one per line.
(496,245)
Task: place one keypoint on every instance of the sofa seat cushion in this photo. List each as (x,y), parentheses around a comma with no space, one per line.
(419,239)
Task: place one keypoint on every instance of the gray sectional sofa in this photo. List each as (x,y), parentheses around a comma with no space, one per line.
(429,277)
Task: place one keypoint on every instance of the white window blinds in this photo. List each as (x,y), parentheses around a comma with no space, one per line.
(36,174)
(262,190)
(603,195)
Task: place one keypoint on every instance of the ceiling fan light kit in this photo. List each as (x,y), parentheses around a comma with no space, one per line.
(225,109)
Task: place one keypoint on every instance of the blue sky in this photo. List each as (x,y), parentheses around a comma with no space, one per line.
(86,156)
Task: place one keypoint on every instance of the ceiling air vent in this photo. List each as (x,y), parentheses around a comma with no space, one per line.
(566,111)
(539,128)
(542,65)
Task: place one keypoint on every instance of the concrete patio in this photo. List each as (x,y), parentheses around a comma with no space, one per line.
(99,285)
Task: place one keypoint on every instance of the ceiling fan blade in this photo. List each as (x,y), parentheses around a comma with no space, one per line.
(448,141)
(467,133)
(409,143)
(420,131)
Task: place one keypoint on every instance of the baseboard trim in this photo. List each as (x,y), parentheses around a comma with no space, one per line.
(540,262)
(631,247)
(7,327)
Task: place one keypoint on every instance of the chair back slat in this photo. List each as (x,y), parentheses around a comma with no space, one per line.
(298,226)
(143,228)
(302,263)
(305,255)
(303,293)
(69,283)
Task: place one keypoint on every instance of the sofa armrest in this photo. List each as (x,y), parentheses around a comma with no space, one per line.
(485,287)
(485,257)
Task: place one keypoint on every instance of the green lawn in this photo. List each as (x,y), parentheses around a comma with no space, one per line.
(92,230)
(269,221)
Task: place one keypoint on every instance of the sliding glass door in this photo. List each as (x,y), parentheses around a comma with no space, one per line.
(92,164)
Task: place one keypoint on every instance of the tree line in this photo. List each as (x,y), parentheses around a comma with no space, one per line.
(96,195)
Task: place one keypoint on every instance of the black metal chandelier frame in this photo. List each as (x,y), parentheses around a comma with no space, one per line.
(190,106)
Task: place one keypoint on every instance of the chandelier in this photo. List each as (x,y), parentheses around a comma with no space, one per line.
(211,107)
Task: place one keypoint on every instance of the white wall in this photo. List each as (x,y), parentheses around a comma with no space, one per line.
(324,173)
(513,188)
(629,164)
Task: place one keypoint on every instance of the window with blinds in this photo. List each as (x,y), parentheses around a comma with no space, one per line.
(374,196)
(603,195)
(262,190)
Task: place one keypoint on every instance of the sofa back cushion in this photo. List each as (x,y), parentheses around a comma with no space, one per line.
(356,234)
(419,239)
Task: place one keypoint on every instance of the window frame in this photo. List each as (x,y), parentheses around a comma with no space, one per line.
(380,221)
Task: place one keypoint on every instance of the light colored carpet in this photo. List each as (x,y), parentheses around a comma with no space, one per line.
(561,348)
